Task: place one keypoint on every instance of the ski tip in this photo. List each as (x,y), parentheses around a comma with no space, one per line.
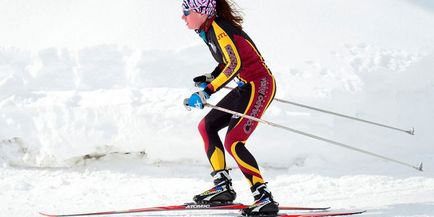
(343,213)
(362,211)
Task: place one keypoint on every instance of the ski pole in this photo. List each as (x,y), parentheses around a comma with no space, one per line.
(410,131)
(418,167)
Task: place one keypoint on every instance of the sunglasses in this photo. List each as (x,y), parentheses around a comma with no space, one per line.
(186,12)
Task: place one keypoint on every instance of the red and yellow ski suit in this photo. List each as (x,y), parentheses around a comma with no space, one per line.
(238,58)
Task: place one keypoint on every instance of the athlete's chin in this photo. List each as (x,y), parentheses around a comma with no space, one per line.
(191,27)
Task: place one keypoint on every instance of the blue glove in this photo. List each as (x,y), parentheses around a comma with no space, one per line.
(196,100)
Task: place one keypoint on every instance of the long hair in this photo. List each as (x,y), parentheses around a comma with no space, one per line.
(229,11)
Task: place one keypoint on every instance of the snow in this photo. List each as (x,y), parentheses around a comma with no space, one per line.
(91,114)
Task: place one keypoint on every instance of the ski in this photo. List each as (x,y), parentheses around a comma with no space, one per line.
(186,206)
(321,214)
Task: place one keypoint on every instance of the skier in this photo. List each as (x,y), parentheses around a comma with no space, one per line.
(219,24)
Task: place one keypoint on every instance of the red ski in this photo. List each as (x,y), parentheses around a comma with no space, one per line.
(187,206)
(320,214)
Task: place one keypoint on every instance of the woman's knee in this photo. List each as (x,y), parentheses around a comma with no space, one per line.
(202,127)
(230,143)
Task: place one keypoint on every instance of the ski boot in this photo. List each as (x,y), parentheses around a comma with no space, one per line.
(221,193)
(264,204)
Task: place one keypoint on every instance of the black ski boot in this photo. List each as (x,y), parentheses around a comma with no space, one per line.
(264,204)
(221,193)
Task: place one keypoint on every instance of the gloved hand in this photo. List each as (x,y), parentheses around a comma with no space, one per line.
(203,80)
(196,100)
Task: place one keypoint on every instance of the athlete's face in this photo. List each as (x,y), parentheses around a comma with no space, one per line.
(193,20)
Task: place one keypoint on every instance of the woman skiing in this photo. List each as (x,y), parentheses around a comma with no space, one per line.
(219,25)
